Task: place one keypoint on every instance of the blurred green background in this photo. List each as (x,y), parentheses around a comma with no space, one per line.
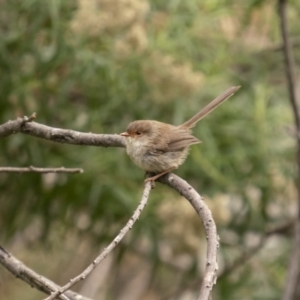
(95,66)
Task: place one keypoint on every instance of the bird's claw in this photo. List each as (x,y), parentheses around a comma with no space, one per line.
(152,182)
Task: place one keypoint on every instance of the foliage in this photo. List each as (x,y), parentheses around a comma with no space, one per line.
(96,66)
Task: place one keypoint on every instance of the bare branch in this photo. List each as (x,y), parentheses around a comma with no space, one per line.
(291,284)
(24,125)
(289,61)
(40,170)
(294,41)
(211,268)
(293,277)
(110,247)
(245,256)
(35,280)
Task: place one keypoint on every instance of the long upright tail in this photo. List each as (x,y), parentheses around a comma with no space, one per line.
(210,107)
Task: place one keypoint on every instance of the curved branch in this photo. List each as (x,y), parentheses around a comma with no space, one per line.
(211,268)
(35,280)
(109,248)
(26,126)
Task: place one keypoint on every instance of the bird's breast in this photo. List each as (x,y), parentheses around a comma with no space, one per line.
(153,161)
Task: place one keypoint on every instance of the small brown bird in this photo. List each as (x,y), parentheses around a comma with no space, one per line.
(158,147)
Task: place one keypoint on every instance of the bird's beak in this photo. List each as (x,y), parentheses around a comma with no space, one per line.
(124,134)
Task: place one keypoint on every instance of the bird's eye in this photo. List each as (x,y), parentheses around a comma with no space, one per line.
(138,133)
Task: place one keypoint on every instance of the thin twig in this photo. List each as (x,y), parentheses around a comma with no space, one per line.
(110,247)
(247,254)
(35,280)
(293,276)
(240,261)
(40,170)
(211,268)
(294,41)
(289,61)
(29,119)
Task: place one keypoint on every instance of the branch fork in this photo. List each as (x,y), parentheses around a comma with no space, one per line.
(27,126)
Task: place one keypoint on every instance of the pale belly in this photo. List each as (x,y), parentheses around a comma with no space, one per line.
(155,162)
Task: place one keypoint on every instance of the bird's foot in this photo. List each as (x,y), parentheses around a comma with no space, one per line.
(152,177)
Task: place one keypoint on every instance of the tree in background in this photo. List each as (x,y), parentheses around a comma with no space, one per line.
(97,65)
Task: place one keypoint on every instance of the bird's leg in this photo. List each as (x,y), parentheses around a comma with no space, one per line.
(153,178)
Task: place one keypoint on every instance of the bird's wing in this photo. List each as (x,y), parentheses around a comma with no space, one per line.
(181,138)
(174,139)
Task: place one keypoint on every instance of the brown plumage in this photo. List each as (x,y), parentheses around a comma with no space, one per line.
(160,147)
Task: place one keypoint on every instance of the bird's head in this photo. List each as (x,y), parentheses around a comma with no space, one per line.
(138,130)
